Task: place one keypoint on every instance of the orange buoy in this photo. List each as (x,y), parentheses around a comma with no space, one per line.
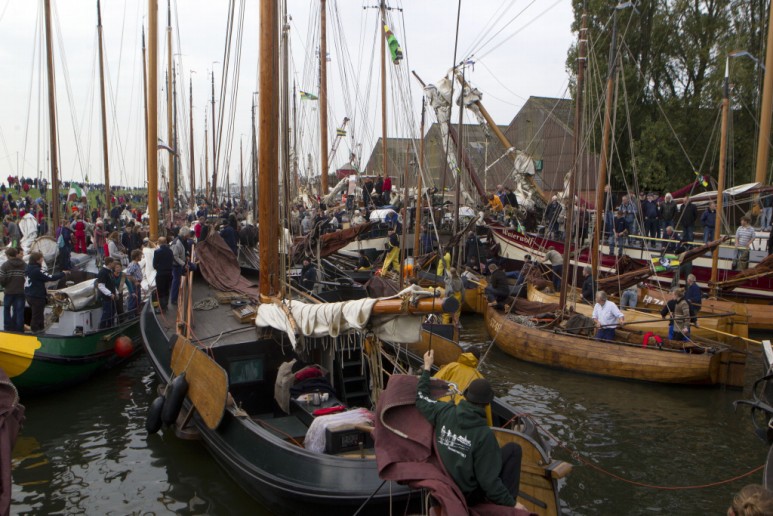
(123,346)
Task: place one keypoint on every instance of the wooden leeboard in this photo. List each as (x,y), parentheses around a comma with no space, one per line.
(207,381)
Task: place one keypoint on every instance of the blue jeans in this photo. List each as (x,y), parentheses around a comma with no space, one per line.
(107,314)
(621,241)
(557,271)
(688,233)
(605,334)
(176,275)
(765,219)
(708,234)
(13,312)
(629,298)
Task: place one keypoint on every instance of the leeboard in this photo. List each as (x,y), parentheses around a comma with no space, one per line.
(207,381)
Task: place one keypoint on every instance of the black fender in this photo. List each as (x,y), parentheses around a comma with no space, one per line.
(153,421)
(178,389)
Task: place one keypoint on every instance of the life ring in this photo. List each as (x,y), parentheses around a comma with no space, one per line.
(153,421)
(178,389)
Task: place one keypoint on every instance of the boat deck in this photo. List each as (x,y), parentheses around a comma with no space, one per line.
(214,327)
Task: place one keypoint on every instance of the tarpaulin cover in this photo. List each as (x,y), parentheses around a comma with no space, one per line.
(220,269)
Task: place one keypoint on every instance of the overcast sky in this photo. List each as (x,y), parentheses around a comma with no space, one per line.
(522,53)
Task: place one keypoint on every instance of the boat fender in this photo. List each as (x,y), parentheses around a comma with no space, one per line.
(178,389)
(153,421)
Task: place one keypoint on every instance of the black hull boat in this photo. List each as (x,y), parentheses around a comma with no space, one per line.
(258,446)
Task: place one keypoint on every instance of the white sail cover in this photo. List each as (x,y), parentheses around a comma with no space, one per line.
(77,297)
(29,230)
(334,319)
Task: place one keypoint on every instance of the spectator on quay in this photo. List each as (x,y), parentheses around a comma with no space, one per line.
(668,210)
(134,275)
(386,190)
(689,216)
(709,222)
(767,211)
(650,214)
(630,211)
(744,238)
(619,234)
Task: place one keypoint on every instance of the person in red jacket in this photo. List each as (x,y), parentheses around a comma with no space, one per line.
(79,229)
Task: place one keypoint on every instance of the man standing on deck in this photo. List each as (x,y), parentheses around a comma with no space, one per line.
(709,221)
(163,262)
(107,293)
(180,261)
(393,256)
(556,265)
(606,316)
(689,216)
(466,445)
(744,237)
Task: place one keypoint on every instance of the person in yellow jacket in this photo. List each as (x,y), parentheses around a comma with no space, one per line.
(495,203)
(393,256)
(444,265)
(461,373)
(454,288)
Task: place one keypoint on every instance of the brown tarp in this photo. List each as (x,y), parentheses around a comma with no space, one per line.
(526,307)
(11,420)
(220,269)
(329,243)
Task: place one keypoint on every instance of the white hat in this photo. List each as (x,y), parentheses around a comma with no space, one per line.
(357,212)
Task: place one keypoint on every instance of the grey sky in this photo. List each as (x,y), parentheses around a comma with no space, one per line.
(532,62)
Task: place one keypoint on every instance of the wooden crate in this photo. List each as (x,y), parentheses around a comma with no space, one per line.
(245,314)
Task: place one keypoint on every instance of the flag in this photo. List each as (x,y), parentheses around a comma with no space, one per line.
(665,263)
(394,45)
(701,179)
(308,96)
(341,132)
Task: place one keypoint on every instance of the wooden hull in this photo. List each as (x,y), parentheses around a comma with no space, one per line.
(602,358)
(436,336)
(714,328)
(46,363)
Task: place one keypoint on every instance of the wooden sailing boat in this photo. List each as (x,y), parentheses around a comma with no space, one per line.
(72,348)
(232,374)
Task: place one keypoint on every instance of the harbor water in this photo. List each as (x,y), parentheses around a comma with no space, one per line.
(85,450)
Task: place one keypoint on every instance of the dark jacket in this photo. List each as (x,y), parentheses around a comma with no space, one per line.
(689,215)
(709,219)
(467,447)
(12,276)
(163,260)
(498,280)
(36,279)
(589,289)
(308,276)
(694,296)
(105,277)
(231,238)
(668,210)
(649,209)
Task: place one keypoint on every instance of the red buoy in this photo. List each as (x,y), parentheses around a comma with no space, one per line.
(123,346)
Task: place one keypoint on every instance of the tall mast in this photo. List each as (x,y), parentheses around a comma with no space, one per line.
(295,141)
(254,167)
(206,159)
(152,134)
(382,8)
(169,121)
(419,198)
(323,96)
(604,165)
(766,109)
(573,173)
(174,145)
(405,211)
(241,172)
(145,106)
(268,158)
(52,120)
(722,173)
(214,146)
(106,165)
(192,160)
(459,144)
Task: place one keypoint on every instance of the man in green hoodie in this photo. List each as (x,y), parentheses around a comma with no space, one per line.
(466,446)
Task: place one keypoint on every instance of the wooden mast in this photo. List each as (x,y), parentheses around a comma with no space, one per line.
(581,61)
(152,134)
(106,164)
(145,105)
(382,10)
(213,188)
(254,167)
(419,198)
(206,159)
(169,120)
(766,109)
(52,120)
(241,171)
(192,160)
(323,97)
(405,212)
(268,153)
(604,165)
(722,173)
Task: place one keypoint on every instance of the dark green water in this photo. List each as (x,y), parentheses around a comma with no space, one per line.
(85,451)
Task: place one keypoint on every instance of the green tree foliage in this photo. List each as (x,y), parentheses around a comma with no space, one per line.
(670,67)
